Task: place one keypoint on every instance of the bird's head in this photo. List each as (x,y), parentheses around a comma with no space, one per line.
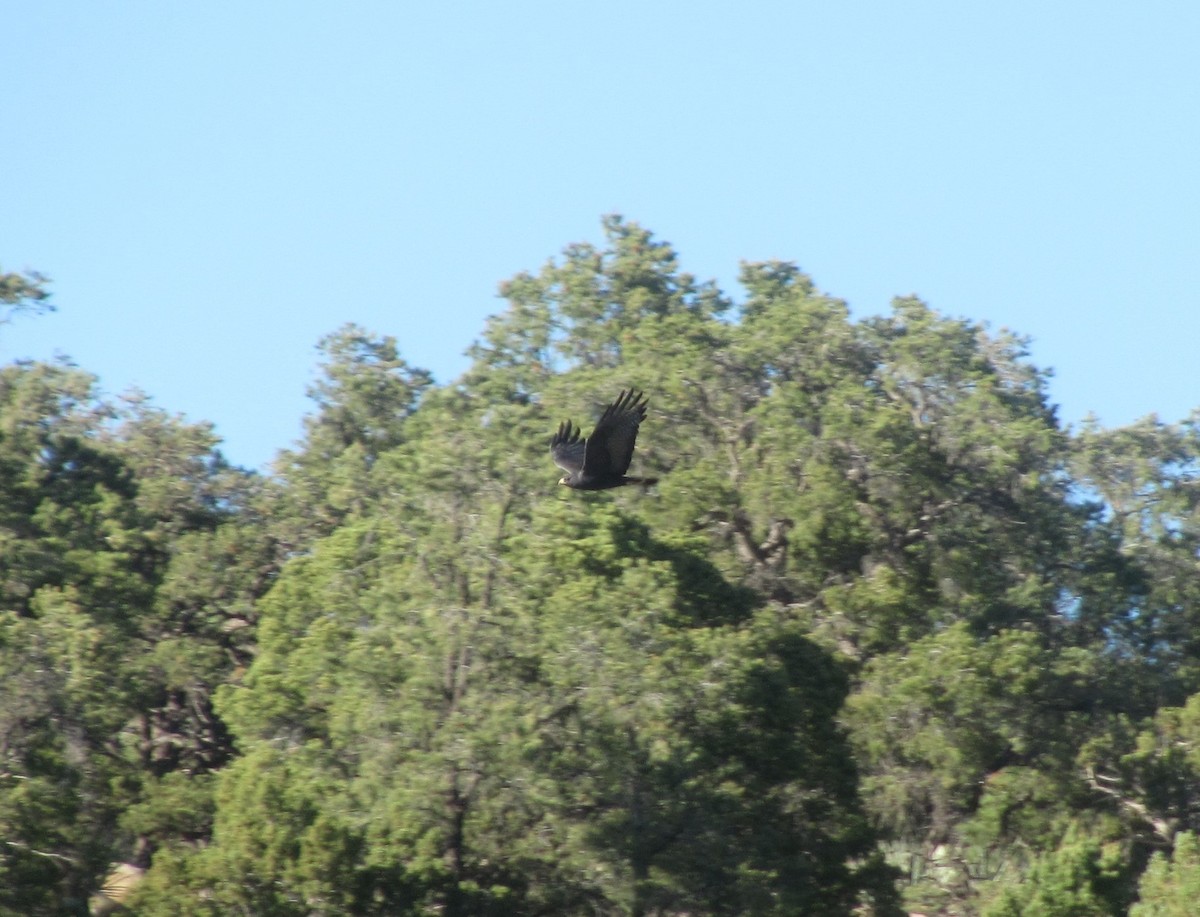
(563,481)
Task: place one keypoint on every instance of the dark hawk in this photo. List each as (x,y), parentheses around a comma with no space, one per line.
(600,461)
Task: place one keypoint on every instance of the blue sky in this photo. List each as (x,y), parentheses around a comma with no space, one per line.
(214,186)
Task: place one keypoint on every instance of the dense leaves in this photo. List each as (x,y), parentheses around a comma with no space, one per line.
(109,648)
(884,635)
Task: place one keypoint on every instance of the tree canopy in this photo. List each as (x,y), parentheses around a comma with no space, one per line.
(885,637)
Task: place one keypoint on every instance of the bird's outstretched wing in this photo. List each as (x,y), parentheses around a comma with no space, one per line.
(609,450)
(567,449)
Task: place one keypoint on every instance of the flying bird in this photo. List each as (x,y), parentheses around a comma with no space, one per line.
(600,461)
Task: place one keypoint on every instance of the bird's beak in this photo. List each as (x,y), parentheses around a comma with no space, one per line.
(562,481)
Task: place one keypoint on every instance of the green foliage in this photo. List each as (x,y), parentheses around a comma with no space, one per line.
(365,393)
(1143,478)
(97,505)
(884,631)
(24,292)
(1170,886)
(1081,878)
(495,741)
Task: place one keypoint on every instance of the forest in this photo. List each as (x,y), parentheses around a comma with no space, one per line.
(886,637)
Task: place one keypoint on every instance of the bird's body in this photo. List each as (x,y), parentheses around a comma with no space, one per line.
(600,461)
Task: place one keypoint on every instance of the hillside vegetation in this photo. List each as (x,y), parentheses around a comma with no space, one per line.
(886,637)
